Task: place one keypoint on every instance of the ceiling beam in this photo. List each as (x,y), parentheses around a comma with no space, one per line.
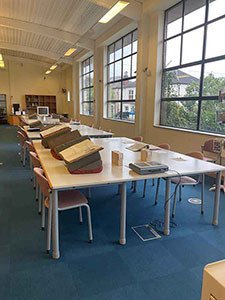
(26,60)
(35,51)
(65,36)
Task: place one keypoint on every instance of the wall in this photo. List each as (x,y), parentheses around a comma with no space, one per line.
(20,78)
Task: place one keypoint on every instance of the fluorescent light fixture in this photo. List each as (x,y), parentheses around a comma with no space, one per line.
(53,67)
(2,65)
(70,51)
(68,96)
(1,58)
(48,72)
(120,5)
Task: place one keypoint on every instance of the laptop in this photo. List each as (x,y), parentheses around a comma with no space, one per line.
(144,168)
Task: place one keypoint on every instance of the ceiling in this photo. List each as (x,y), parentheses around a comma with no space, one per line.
(43,30)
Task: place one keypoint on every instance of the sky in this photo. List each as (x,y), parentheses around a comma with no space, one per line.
(193,41)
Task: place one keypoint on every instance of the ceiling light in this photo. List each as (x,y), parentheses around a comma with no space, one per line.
(48,72)
(70,51)
(2,65)
(1,58)
(113,11)
(53,67)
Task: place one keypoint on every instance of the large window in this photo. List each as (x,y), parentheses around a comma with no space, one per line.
(193,65)
(87,87)
(121,78)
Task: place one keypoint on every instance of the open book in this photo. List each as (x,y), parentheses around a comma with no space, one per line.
(78,151)
(58,128)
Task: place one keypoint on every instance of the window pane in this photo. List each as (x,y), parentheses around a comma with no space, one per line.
(118,49)
(174,20)
(86,95)
(183,82)
(127,67)
(209,121)
(111,72)
(181,114)
(127,45)
(91,64)
(214,78)
(216,9)
(215,39)
(134,41)
(114,91)
(86,81)
(192,46)
(194,13)
(129,86)
(111,53)
(87,108)
(113,110)
(172,52)
(118,68)
(86,66)
(91,78)
(134,65)
(128,112)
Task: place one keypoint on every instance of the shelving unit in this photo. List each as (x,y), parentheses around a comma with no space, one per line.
(32,101)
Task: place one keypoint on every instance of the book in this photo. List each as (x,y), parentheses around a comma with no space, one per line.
(79,151)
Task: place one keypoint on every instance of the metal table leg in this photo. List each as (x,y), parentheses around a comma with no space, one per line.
(55,225)
(167,208)
(217,198)
(123,211)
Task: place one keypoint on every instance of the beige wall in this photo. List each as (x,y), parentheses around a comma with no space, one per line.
(148,84)
(20,78)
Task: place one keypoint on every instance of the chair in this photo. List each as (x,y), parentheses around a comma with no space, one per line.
(138,138)
(185,181)
(66,200)
(22,140)
(210,152)
(162,146)
(35,162)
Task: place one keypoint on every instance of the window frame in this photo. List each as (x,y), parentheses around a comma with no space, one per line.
(84,88)
(122,79)
(201,97)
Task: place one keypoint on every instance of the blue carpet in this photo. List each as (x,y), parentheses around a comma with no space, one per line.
(168,268)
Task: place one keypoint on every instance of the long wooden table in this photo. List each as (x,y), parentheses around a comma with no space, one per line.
(83,129)
(60,179)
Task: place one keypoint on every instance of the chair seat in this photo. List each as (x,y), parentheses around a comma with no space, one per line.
(186,180)
(69,199)
(209,159)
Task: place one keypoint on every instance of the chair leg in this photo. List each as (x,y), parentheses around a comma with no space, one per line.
(135,187)
(132,185)
(174,204)
(153,182)
(202,193)
(42,213)
(157,191)
(80,215)
(89,223)
(39,201)
(49,224)
(144,189)
(36,190)
(180,192)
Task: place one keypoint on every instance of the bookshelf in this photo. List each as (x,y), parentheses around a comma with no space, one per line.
(32,101)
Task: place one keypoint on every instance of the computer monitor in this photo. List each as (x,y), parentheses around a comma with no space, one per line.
(42,111)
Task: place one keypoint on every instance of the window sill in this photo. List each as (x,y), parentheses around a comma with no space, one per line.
(123,121)
(190,131)
(83,115)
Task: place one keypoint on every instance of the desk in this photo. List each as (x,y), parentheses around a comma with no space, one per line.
(83,129)
(60,179)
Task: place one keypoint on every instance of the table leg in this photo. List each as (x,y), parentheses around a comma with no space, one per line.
(55,225)
(217,199)
(123,211)
(167,208)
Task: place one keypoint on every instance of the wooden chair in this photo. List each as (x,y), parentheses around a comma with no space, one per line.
(22,140)
(35,162)
(66,200)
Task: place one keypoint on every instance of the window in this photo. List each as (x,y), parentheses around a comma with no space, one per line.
(87,87)
(121,78)
(193,65)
